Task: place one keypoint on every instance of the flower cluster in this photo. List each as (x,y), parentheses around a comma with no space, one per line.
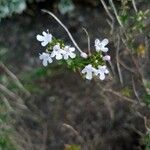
(57,52)
(90,66)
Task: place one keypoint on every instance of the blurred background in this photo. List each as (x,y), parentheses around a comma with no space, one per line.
(54,108)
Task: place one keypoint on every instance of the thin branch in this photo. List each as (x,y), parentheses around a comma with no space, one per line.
(134,6)
(117,94)
(111,24)
(126,67)
(65,28)
(74,131)
(115,11)
(120,95)
(134,89)
(106,9)
(112,67)
(108,105)
(13,96)
(134,129)
(6,103)
(117,58)
(145,121)
(88,39)
(14,78)
(45,135)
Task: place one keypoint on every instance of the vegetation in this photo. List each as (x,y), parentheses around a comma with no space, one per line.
(54,107)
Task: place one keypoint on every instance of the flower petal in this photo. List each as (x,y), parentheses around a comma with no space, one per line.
(106,71)
(72,55)
(66,57)
(44,43)
(45,63)
(59,56)
(97,41)
(39,37)
(88,76)
(106,58)
(44,33)
(50,60)
(83,71)
(102,76)
(105,42)
(104,49)
(53,54)
(41,56)
(72,49)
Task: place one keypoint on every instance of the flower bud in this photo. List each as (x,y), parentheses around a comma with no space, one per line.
(84,55)
(106,58)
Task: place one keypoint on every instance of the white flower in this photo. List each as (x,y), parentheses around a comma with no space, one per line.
(46,58)
(45,39)
(106,58)
(100,45)
(57,52)
(88,70)
(84,55)
(101,71)
(69,52)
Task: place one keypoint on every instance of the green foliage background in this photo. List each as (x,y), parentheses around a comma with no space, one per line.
(8,7)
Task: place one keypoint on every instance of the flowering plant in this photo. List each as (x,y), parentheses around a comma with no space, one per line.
(92,64)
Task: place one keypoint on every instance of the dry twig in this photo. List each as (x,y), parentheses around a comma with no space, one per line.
(65,28)
(14,78)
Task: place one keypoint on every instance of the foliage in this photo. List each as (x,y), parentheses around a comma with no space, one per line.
(8,7)
(146,142)
(5,128)
(72,147)
(92,64)
(65,6)
(131,26)
(146,99)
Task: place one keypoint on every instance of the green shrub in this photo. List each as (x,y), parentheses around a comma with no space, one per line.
(6,142)
(8,7)
(146,142)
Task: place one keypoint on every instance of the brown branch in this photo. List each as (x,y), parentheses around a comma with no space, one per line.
(126,67)
(14,78)
(134,89)
(117,58)
(12,96)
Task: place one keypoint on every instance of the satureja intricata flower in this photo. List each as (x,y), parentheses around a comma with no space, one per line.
(106,58)
(101,71)
(45,38)
(57,52)
(88,71)
(93,65)
(101,45)
(69,52)
(46,58)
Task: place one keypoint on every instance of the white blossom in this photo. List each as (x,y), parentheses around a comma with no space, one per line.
(46,58)
(101,45)
(106,58)
(45,38)
(69,52)
(88,70)
(101,71)
(58,52)
(84,55)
